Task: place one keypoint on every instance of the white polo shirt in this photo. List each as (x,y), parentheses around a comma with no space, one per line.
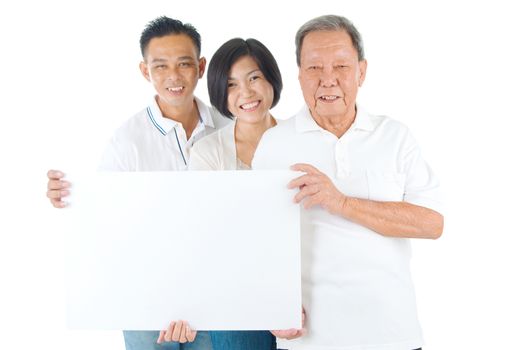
(150,142)
(357,287)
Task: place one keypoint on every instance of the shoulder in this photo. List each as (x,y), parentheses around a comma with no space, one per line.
(219,120)
(207,144)
(387,127)
(134,128)
(215,140)
(214,151)
(282,131)
(210,113)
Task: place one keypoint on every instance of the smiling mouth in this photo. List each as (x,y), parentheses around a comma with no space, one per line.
(328,98)
(250,106)
(176,89)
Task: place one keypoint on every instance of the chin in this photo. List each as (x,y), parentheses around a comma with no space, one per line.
(331,114)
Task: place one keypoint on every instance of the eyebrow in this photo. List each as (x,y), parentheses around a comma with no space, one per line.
(158,60)
(182,58)
(249,73)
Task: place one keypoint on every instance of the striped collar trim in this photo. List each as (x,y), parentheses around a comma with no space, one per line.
(165,125)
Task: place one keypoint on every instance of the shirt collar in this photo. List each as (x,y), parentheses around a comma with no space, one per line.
(304,121)
(164,125)
(205,113)
(362,121)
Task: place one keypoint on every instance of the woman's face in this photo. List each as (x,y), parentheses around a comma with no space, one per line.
(249,94)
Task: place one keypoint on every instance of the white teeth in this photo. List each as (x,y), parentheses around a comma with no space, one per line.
(328,97)
(175,89)
(249,105)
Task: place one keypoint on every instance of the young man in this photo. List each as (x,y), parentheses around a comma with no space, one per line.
(159,137)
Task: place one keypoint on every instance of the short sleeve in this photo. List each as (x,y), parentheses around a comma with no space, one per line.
(118,156)
(422,187)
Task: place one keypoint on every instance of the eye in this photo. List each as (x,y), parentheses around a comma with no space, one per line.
(161,66)
(230,85)
(184,64)
(254,77)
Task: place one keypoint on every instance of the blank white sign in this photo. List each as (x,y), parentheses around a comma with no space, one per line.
(219,249)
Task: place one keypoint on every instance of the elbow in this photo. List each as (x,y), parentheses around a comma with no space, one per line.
(436,226)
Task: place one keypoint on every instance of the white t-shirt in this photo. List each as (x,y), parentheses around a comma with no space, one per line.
(357,287)
(150,142)
(217,151)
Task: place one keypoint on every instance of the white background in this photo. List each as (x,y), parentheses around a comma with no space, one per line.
(455,72)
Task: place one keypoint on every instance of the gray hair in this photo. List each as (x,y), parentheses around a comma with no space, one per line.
(329,23)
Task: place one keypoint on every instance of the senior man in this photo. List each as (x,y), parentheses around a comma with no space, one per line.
(365,189)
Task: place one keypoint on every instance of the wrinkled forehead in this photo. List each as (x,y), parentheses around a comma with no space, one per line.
(327,44)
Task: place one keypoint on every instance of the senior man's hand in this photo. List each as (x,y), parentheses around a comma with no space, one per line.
(315,188)
(179,332)
(57,188)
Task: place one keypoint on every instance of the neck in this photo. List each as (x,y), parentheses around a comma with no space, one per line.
(252,132)
(248,135)
(186,114)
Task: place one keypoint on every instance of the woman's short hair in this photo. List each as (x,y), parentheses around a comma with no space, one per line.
(222,62)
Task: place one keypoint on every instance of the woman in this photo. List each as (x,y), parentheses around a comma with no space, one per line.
(244,83)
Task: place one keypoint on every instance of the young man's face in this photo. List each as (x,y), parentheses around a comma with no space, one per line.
(172,65)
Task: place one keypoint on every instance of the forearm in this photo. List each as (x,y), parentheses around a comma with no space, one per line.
(394,219)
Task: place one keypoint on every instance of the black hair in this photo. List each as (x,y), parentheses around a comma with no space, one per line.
(163,26)
(224,58)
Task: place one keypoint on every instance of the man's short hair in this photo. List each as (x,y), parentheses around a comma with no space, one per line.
(163,26)
(222,62)
(329,23)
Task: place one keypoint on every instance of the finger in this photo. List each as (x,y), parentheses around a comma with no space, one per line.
(57,184)
(57,194)
(57,203)
(284,333)
(183,332)
(190,334)
(298,333)
(177,331)
(161,337)
(303,180)
(306,191)
(55,174)
(168,333)
(307,168)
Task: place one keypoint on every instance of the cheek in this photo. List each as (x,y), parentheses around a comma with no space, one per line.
(190,75)
(231,103)
(156,77)
(268,94)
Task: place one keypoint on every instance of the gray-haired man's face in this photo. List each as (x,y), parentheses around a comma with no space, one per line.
(330,74)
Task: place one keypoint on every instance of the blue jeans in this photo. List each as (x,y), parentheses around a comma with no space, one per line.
(147,340)
(217,340)
(243,340)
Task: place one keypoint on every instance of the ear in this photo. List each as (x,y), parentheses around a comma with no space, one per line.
(299,74)
(362,71)
(201,66)
(144,70)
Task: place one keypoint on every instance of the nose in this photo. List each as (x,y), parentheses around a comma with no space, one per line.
(328,77)
(246,90)
(174,74)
